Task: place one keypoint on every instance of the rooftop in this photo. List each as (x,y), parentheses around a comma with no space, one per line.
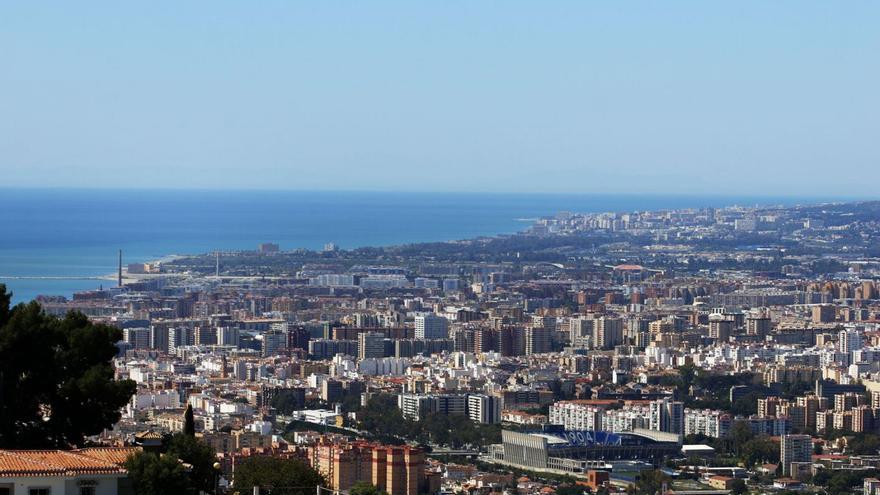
(64,462)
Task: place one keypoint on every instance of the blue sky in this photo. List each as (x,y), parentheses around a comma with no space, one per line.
(740,97)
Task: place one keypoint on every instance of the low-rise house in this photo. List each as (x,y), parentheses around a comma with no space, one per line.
(91,471)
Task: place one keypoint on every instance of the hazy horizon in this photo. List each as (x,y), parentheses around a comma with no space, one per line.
(748,98)
(788,198)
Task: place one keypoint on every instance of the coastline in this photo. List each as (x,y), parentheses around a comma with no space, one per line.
(26,288)
(141,276)
(58,254)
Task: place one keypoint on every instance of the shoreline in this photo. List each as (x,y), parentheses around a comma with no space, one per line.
(515,218)
(140,276)
(26,288)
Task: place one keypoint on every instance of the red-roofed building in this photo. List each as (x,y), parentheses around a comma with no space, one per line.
(91,471)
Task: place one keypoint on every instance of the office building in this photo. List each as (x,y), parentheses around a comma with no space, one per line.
(331,391)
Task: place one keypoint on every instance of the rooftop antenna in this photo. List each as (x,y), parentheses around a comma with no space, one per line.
(120,269)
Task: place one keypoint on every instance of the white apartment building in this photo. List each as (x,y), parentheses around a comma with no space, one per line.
(576,416)
(714,424)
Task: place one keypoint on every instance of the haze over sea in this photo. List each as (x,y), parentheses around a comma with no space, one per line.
(73,233)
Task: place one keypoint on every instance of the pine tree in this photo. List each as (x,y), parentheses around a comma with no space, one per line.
(57,384)
(189,421)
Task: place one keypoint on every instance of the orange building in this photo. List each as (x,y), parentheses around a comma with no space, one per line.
(397,470)
(596,479)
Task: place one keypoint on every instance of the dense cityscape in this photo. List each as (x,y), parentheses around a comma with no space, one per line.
(689,351)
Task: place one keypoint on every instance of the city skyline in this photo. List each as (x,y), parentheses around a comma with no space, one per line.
(439,248)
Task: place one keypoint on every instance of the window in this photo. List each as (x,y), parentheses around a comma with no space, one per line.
(86,490)
(39,491)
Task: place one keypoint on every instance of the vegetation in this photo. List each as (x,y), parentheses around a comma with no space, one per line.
(455,431)
(382,417)
(286,401)
(365,488)
(154,474)
(840,482)
(738,487)
(189,421)
(199,456)
(571,489)
(649,482)
(864,444)
(715,390)
(56,380)
(741,445)
(277,476)
(186,466)
(712,391)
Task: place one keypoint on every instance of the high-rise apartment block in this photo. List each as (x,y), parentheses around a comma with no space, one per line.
(431,327)
(537,340)
(667,415)
(396,470)
(795,448)
(371,345)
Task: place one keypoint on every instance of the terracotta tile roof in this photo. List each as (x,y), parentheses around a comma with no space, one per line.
(63,462)
(12,465)
(113,455)
(148,435)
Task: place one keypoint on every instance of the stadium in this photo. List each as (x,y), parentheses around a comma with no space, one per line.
(576,452)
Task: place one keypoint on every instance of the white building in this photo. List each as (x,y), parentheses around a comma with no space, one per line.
(849,340)
(386,366)
(576,416)
(714,424)
(162,399)
(627,419)
(415,406)
(485,409)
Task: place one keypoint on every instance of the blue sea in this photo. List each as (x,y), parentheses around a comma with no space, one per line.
(74,234)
